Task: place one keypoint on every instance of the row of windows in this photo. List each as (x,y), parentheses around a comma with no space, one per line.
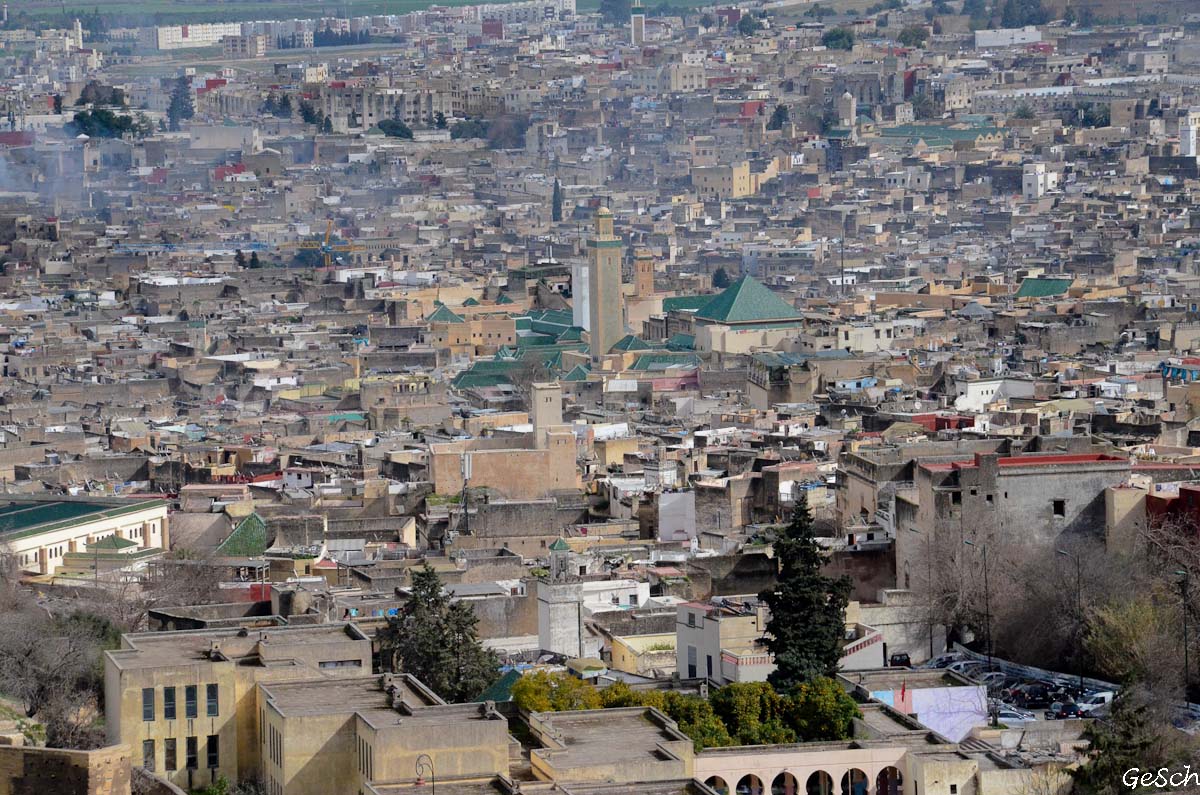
(191,753)
(190,703)
(275,749)
(366,759)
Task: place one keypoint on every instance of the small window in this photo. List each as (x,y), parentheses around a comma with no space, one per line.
(1060,507)
(211,698)
(148,754)
(691,619)
(989,499)
(953,789)
(214,751)
(956,498)
(189,701)
(169,760)
(192,760)
(147,703)
(169,703)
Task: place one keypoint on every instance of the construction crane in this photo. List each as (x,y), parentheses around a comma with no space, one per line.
(173,248)
(328,249)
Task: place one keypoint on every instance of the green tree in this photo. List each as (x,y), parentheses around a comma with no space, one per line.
(1122,741)
(327,126)
(748,25)
(469,128)
(239,258)
(556,202)
(913,36)
(1024,112)
(181,106)
(838,39)
(808,608)
(435,640)
(820,710)
(706,20)
(284,111)
(254,262)
(720,279)
(439,120)
(396,129)
(696,718)
(615,12)
(309,114)
(58,103)
(554,692)
(270,104)
(752,713)
(779,117)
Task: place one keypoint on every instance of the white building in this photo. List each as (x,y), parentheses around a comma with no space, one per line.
(1007,37)
(178,37)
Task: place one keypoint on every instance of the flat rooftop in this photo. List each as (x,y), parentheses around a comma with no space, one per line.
(606,736)
(323,697)
(21,518)
(911,679)
(163,649)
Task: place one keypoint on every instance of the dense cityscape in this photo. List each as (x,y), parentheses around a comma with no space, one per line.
(791,397)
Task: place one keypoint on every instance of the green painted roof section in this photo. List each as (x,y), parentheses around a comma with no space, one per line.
(504,299)
(347,416)
(937,134)
(19,519)
(573,334)
(685,303)
(111,543)
(1042,288)
(578,373)
(501,691)
(681,342)
(631,343)
(659,361)
(470,302)
(558,545)
(248,539)
(747,301)
(443,314)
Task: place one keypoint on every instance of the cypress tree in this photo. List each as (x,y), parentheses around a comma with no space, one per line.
(808,608)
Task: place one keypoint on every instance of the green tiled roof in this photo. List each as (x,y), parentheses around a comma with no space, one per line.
(685,303)
(501,691)
(681,342)
(504,299)
(248,539)
(27,518)
(747,301)
(660,361)
(113,543)
(1042,288)
(470,302)
(578,373)
(443,314)
(631,343)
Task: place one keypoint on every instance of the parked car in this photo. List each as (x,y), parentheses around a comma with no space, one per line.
(1062,710)
(965,667)
(994,680)
(943,660)
(1035,696)
(1013,717)
(900,660)
(1097,699)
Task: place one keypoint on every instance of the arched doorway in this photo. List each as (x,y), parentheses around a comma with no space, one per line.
(819,783)
(718,785)
(889,782)
(855,782)
(785,784)
(750,785)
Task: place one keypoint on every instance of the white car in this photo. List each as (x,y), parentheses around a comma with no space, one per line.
(1098,699)
(1013,717)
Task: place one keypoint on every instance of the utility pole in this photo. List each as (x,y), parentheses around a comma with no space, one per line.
(987,612)
(1187,667)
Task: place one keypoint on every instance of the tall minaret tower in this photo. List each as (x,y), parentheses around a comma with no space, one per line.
(604,286)
(637,24)
(643,273)
(1189,133)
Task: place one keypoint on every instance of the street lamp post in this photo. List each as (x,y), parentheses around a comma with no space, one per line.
(928,581)
(1078,611)
(425,768)
(987,615)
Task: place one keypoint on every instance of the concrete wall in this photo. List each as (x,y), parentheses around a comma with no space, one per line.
(49,771)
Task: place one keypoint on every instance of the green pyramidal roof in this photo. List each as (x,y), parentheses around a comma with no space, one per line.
(443,314)
(747,301)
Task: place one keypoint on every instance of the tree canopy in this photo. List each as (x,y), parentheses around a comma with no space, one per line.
(435,640)
(393,128)
(779,117)
(181,106)
(808,608)
(913,36)
(838,39)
